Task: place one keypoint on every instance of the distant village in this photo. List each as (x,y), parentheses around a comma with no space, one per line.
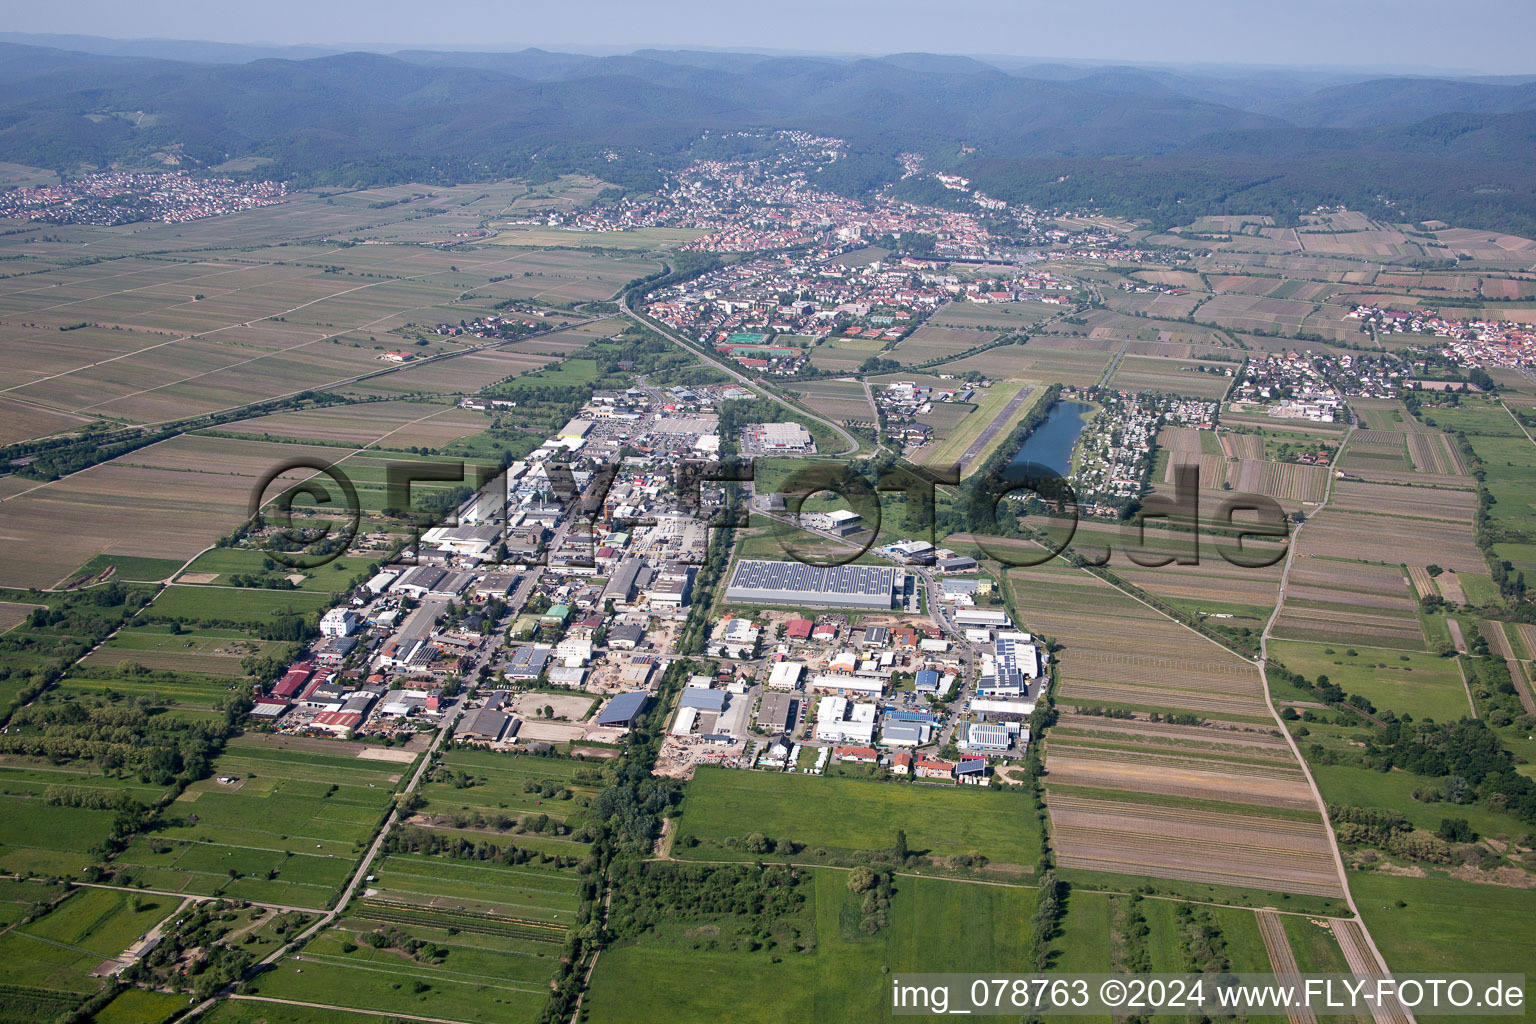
(122,197)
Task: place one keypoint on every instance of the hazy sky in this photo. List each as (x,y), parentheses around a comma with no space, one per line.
(1479,36)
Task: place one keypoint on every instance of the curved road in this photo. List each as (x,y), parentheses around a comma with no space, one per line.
(741,378)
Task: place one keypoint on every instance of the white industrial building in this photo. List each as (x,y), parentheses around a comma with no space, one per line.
(839,720)
(785,675)
(338,622)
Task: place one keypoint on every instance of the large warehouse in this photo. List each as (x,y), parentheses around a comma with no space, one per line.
(867,587)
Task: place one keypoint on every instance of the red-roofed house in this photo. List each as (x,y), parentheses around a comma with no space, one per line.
(859,755)
(935,768)
(798,629)
(901,764)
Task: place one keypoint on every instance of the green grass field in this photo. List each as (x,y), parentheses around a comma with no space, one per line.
(228,561)
(241,606)
(502,927)
(130,567)
(846,815)
(289,831)
(1362,787)
(1446,925)
(936,925)
(1417,684)
(60,949)
(139,1006)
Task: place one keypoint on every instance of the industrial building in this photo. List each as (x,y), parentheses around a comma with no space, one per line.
(621,711)
(866,587)
(777,711)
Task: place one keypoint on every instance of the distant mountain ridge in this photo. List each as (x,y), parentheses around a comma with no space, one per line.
(435,116)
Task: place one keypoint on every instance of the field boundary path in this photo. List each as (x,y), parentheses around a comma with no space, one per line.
(391,1015)
(1282,960)
(1358,949)
(1360,933)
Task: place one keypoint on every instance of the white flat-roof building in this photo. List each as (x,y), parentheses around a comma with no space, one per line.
(847,686)
(785,675)
(338,622)
(839,720)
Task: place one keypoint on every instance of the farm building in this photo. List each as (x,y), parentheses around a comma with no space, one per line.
(487,725)
(621,710)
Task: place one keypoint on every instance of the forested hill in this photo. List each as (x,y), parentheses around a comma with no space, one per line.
(1138,141)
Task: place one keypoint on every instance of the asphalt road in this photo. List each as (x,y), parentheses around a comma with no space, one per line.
(741,378)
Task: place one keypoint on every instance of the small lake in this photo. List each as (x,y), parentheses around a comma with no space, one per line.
(1051,442)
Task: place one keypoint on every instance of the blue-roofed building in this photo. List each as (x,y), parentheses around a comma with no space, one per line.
(927,681)
(621,711)
(912,717)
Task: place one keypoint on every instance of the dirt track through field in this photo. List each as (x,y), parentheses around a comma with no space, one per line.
(1281,959)
(1362,964)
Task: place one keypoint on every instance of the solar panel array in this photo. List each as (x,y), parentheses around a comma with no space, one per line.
(867,580)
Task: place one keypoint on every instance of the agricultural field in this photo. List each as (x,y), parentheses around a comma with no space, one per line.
(167,501)
(1226,596)
(211,652)
(376,424)
(58,952)
(1190,378)
(1156,664)
(929,343)
(1440,924)
(1136,798)
(1283,481)
(1077,362)
(842,355)
(236,606)
(996,316)
(48,838)
(844,816)
(216,567)
(837,400)
(1114,784)
(478,790)
(496,929)
(1407,502)
(839,975)
(1342,601)
(638,239)
(1093,934)
(1511,460)
(287,828)
(1386,539)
